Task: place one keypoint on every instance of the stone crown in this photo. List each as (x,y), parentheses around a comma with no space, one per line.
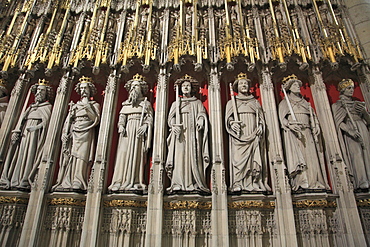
(138,77)
(85,79)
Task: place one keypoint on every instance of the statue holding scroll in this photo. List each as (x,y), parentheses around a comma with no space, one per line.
(188,151)
(245,124)
(28,140)
(301,132)
(352,121)
(135,126)
(78,139)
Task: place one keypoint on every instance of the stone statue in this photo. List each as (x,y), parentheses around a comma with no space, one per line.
(352,121)
(301,132)
(188,151)
(245,124)
(78,139)
(135,126)
(3,100)
(27,140)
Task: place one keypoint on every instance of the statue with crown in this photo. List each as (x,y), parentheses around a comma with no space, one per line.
(245,124)
(188,150)
(3,100)
(78,139)
(302,139)
(135,127)
(352,121)
(27,140)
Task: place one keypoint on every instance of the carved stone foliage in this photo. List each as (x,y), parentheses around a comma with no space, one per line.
(122,226)
(319,225)
(251,227)
(11,222)
(187,227)
(365,220)
(63,223)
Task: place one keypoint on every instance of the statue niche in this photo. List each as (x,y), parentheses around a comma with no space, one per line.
(301,135)
(27,141)
(78,139)
(135,127)
(245,124)
(352,122)
(188,151)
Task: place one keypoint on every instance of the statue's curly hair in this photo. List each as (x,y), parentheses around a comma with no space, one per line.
(91,85)
(289,83)
(194,85)
(49,91)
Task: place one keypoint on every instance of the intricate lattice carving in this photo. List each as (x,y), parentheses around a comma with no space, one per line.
(255,227)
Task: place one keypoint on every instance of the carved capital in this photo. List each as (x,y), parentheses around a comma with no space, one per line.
(317,80)
(111,84)
(67,202)
(125,203)
(63,85)
(315,204)
(13,200)
(162,81)
(187,205)
(251,204)
(19,85)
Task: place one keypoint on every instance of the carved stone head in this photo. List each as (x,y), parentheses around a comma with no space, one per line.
(138,79)
(288,81)
(242,78)
(42,91)
(86,81)
(187,78)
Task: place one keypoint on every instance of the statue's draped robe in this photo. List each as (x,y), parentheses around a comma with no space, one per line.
(188,155)
(304,155)
(25,155)
(247,152)
(356,156)
(80,124)
(3,106)
(132,151)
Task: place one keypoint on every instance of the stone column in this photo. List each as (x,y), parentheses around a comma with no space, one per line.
(93,211)
(37,203)
(284,215)
(154,224)
(219,213)
(13,111)
(359,13)
(341,184)
(364,76)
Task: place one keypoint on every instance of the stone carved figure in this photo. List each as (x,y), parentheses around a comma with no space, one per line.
(301,132)
(135,126)
(27,140)
(245,124)
(352,121)
(78,139)
(188,151)
(3,100)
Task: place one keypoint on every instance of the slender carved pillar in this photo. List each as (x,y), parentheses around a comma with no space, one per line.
(360,22)
(364,75)
(338,170)
(219,213)
(93,212)
(17,100)
(154,224)
(284,208)
(37,203)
